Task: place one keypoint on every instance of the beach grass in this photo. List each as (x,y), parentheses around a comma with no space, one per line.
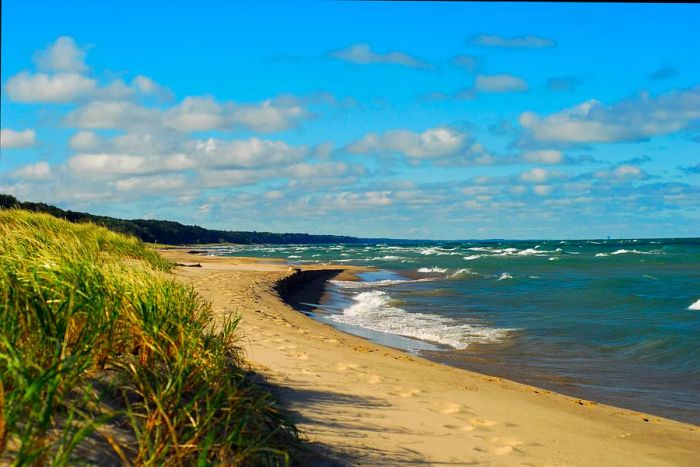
(103,355)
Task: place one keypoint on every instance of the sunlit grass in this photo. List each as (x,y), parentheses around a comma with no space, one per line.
(102,352)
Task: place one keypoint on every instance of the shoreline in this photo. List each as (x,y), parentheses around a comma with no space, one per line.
(360,402)
(479,358)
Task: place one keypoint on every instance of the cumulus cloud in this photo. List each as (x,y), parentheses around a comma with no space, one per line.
(622,172)
(499,83)
(39,171)
(55,88)
(363,54)
(444,146)
(64,55)
(535,175)
(634,119)
(195,114)
(204,113)
(114,115)
(16,139)
(267,117)
(253,152)
(519,42)
(432,143)
(544,156)
(84,141)
(151,183)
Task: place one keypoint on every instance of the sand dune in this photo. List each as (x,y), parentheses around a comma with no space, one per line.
(363,404)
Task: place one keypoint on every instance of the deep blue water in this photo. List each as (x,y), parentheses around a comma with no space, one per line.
(616,321)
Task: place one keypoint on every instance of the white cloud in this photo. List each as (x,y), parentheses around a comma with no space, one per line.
(39,171)
(535,175)
(520,42)
(56,88)
(145,85)
(253,152)
(545,156)
(195,114)
(16,139)
(204,114)
(542,190)
(151,183)
(432,143)
(363,54)
(623,172)
(634,119)
(114,115)
(499,83)
(113,165)
(84,141)
(266,117)
(62,56)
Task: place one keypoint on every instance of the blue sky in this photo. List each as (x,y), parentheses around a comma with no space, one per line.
(410,120)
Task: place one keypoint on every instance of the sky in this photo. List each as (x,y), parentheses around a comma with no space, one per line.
(375,119)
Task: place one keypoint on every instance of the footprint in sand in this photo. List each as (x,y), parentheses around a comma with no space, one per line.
(452,408)
(302,356)
(409,392)
(482,422)
(346,366)
(500,446)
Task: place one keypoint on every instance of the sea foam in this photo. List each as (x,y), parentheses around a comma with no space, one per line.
(373,284)
(373,310)
(433,269)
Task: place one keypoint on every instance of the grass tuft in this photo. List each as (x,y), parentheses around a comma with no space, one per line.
(103,355)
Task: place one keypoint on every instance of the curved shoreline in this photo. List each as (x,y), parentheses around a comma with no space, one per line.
(364,404)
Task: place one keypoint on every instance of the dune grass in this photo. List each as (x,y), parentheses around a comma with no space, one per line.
(102,354)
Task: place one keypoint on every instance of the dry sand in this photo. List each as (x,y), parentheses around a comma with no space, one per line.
(359,403)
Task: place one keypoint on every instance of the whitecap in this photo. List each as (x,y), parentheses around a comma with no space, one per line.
(373,310)
(461,272)
(293,256)
(504,276)
(373,284)
(472,257)
(601,254)
(695,306)
(623,251)
(433,269)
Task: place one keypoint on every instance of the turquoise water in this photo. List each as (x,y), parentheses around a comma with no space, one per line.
(617,321)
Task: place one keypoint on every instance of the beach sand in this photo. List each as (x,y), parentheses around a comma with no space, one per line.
(359,403)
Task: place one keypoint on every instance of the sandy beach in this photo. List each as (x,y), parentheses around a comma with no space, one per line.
(359,403)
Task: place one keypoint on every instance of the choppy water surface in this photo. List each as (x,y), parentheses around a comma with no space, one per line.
(612,320)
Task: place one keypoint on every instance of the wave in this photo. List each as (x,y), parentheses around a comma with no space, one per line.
(695,306)
(462,272)
(373,310)
(504,276)
(472,257)
(601,254)
(293,256)
(437,251)
(373,284)
(433,269)
(623,251)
